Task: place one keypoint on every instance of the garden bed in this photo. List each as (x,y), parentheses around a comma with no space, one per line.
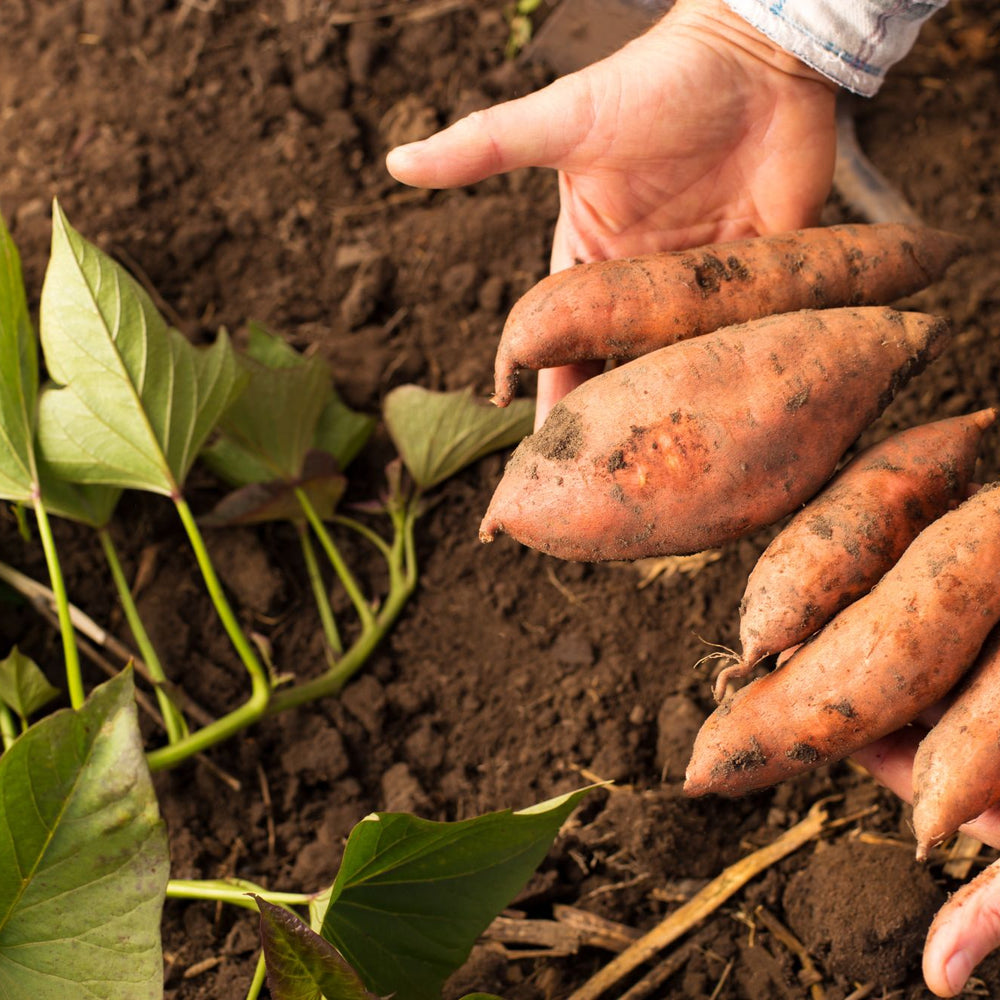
(231,155)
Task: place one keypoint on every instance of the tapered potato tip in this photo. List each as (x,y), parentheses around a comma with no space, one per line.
(505,381)
(695,782)
(937,249)
(985,418)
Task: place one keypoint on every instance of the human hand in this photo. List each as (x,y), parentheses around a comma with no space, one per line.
(967,928)
(698,131)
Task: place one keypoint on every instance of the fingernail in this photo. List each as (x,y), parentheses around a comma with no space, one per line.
(957,969)
(408,148)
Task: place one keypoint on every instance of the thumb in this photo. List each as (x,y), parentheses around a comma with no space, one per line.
(963,933)
(533,131)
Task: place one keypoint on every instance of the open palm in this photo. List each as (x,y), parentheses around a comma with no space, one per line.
(699,130)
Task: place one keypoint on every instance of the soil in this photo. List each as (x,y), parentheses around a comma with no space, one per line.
(231,154)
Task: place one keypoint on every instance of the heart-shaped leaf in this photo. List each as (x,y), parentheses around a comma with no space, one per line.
(83,857)
(136,400)
(412,896)
(439,433)
(288,409)
(18,378)
(23,686)
(300,964)
(275,418)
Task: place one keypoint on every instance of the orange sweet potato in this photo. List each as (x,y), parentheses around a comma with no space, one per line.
(841,543)
(625,308)
(706,440)
(880,662)
(956,770)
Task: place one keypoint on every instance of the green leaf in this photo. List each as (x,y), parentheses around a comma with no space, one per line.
(439,433)
(412,896)
(83,857)
(341,431)
(87,504)
(18,378)
(233,464)
(275,418)
(300,964)
(23,686)
(136,399)
(288,409)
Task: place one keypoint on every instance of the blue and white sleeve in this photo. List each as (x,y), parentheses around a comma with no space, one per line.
(853,42)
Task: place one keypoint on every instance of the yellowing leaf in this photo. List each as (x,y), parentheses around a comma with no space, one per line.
(438,434)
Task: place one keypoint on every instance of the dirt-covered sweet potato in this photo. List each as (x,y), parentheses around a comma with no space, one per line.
(841,543)
(956,770)
(624,308)
(709,439)
(881,661)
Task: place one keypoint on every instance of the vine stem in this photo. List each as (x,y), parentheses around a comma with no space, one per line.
(362,529)
(173,720)
(234,891)
(255,706)
(259,975)
(341,568)
(261,686)
(402,583)
(74,678)
(320,596)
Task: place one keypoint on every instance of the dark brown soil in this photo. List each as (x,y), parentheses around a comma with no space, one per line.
(231,153)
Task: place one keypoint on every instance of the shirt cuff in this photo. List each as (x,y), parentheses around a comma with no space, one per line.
(853,42)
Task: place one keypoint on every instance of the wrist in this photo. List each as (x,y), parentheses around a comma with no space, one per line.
(715,22)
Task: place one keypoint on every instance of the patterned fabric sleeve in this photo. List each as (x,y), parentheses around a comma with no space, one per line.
(854,42)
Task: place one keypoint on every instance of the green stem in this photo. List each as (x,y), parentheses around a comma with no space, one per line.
(172,718)
(215,732)
(8,730)
(255,706)
(74,678)
(232,890)
(261,686)
(362,529)
(402,583)
(259,976)
(341,568)
(320,596)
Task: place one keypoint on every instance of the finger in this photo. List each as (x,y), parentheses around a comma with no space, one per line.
(964,932)
(889,761)
(554,383)
(533,131)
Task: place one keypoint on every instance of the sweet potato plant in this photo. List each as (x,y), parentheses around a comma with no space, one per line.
(131,405)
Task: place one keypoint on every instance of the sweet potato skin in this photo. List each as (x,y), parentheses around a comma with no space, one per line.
(625,308)
(881,661)
(706,440)
(842,542)
(956,770)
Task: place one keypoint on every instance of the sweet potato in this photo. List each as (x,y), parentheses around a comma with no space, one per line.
(625,308)
(956,770)
(883,659)
(706,440)
(841,543)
